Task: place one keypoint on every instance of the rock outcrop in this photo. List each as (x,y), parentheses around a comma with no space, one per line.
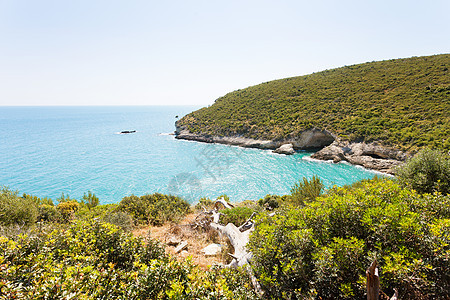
(369,155)
(309,139)
(287,149)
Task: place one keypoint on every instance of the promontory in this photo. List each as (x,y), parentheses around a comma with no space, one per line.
(374,114)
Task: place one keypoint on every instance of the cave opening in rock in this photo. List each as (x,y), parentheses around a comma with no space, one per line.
(373,155)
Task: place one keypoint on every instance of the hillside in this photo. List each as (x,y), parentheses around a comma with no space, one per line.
(403,103)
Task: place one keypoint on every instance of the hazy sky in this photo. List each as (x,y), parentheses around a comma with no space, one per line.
(76,52)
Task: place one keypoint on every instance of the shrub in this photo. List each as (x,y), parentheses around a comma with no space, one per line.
(120,219)
(236,215)
(48,213)
(100,211)
(16,210)
(155,209)
(67,209)
(427,172)
(323,248)
(206,203)
(225,197)
(38,201)
(270,202)
(306,190)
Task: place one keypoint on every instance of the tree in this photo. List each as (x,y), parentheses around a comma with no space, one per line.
(90,200)
(306,190)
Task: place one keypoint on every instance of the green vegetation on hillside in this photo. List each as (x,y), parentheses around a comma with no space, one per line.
(404,103)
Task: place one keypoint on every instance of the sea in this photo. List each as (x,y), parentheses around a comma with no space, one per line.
(47,151)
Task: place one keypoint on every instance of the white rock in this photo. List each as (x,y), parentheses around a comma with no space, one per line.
(285,149)
(212,249)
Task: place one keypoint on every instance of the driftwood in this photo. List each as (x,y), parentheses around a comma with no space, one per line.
(238,236)
(373,284)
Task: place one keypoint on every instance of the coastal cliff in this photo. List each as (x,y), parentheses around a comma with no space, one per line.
(308,139)
(372,114)
(372,155)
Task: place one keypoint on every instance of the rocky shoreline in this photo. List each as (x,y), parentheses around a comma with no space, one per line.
(372,156)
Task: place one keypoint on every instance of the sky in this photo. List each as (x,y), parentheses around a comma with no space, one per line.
(191,52)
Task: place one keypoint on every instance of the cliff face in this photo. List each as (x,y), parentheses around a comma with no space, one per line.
(369,155)
(309,139)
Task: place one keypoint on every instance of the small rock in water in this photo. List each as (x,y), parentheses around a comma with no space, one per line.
(287,149)
(212,249)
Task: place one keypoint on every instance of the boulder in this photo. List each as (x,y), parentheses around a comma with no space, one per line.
(287,149)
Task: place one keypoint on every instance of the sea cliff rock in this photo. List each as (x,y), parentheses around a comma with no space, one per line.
(309,139)
(369,155)
(287,149)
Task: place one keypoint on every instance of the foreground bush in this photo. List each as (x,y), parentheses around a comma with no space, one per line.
(306,190)
(16,210)
(427,172)
(120,219)
(154,209)
(236,215)
(323,249)
(93,260)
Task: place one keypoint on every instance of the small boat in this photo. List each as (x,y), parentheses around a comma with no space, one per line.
(128,131)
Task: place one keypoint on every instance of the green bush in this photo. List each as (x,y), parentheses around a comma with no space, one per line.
(99,211)
(306,190)
(154,209)
(16,210)
(322,249)
(204,203)
(48,213)
(38,201)
(236,215)
(120,219)
(67,209)
(427,172)
(271,202)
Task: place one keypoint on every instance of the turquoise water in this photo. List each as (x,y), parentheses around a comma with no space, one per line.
(46,151)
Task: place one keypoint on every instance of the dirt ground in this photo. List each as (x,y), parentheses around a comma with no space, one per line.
(172,234)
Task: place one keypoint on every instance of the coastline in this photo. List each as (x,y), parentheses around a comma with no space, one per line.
(372,156)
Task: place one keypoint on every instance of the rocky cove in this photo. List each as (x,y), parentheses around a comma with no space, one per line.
(373,155)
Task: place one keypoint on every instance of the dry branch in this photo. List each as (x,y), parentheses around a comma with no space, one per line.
(373,282)
(238,236)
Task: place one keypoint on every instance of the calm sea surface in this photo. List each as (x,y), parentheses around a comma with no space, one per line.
(46,151)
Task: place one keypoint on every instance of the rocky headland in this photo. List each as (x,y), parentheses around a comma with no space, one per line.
(374,155)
